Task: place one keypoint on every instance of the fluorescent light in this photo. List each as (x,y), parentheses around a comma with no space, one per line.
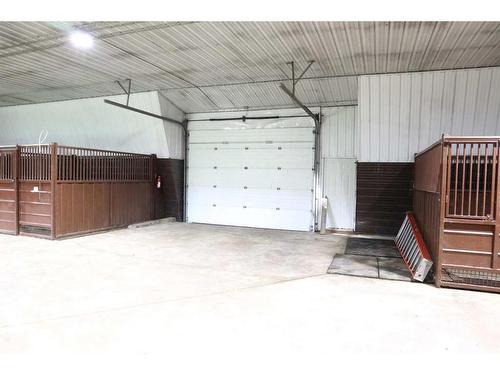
(81,39)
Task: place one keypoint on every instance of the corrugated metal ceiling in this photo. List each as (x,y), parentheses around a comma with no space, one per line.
(207,66)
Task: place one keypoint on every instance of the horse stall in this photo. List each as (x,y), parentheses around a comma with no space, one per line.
(455,205)
(55,191)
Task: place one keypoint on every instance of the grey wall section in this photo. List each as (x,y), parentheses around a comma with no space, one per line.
(92,123)
(401,114)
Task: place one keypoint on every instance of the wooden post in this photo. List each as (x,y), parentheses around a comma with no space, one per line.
(443,204)
(495,257)
(53,184)
(17,169)
(152,176)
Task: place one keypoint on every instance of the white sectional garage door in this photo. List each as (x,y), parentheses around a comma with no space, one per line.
(253,174)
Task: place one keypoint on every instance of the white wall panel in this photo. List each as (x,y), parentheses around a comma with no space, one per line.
(92,123)
(337,132)
(338,165)
(174,133)
(401,114)
(339,186)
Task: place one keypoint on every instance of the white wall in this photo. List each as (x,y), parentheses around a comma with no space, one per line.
(338,165)
(401,114)
(338,132)
(92,123)
(174,133)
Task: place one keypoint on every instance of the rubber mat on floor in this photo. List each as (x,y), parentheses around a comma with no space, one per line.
(372,247)
(369,266)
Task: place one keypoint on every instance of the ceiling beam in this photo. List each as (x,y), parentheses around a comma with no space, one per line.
(142,112)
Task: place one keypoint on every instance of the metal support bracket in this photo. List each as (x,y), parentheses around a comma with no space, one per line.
(300,104)
(124,89)
(295,81)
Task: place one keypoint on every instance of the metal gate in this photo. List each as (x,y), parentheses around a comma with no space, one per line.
(9,207)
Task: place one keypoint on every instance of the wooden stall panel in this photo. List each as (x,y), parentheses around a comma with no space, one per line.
(78,208)
(468,245)
(102,205)
(468,259)
(100,189)
(6,192)
(54,191)
(90,207)
(7,207)
(428,170)
(82,208)
(459,213)
(472,237)
(35,200)
(130,203)
(426,209)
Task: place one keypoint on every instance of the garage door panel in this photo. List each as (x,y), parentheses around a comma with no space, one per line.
(272,179)
(252,217)
(252,135)
(250,198)
(291,157)
(251,146)
(253,177)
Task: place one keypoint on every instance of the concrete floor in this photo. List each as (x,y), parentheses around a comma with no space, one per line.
(198,291)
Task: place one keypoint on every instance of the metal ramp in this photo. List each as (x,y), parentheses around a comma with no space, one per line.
(411,246)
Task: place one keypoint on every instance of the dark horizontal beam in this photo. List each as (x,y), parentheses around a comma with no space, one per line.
(245,118)
(143,112)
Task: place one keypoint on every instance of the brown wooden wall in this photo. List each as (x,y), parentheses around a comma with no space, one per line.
(427,197)
(35,208)
(8,190)
(427,211)
(55,191)
(169,199)
(383,195)
(8,222)
(89,207)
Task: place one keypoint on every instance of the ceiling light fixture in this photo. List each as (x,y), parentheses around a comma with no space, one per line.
(81,39)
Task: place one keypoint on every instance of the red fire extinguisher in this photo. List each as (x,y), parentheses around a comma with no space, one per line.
(158,182)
